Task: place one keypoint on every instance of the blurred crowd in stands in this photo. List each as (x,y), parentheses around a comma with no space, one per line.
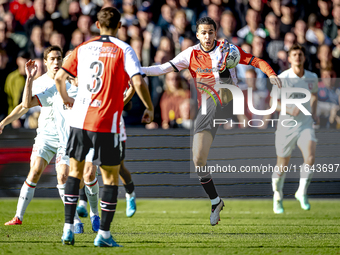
(160,29)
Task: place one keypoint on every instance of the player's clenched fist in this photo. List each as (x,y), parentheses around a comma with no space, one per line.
(147,116)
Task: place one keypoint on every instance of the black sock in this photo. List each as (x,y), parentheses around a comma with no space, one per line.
(108,206)
(129,188)
(82,194)
(71,198)
(208,185)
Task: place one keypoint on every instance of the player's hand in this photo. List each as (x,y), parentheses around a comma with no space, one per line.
(147,116)
(1,128)
(68,102)
(31,69)
(275,81)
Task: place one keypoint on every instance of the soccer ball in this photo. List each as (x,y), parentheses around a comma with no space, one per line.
(233,58)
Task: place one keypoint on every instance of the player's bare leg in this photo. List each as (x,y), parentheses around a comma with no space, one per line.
(108,205)
(278,178)
(37,166)
(308,149)
(130,195)
(201,146)
(92,193)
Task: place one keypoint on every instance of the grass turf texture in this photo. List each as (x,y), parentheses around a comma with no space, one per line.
(170,226)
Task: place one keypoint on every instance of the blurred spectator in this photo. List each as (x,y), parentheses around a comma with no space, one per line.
(134,30)
(314,34)
(58,39)
(190,13)
(214,11)
(165,19)
(275,5)
(330,27)
(328,98)
(15,84)
(84,25)
(137,45)
(179,30)
(70,23)
(22,10)
(77,38)
(187,42)
(227,28)
(51,7)
(282,61)
(287,18)
(144,16)
(8,45)
(89,8)
(289,40)
(39,18)
(336,42)
(48,29)
(252,28)
(167,45)
(14,30)
(326,60)
(274,40)
(129,12)
(300,32)
(36,45)
(173,96)
(123,33)
(187,113)
(4,71)
(324,15)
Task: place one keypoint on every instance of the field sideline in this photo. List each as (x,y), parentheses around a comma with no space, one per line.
(181,226)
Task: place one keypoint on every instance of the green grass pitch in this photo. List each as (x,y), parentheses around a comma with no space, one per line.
(181,226)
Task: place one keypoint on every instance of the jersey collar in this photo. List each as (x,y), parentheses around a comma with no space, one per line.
(208,50)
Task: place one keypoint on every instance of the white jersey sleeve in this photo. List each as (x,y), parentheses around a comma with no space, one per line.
(131,62)
(182,60)
(46,98)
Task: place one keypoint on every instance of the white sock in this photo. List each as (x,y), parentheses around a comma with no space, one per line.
(215,201)
(127,195)
(92,193)
(68,226)
(278,180)
(305,179)
(104,234)
(61,189)
(83,203)
(25,197)
(76,218)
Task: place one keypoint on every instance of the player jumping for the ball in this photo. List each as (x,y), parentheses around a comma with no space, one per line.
(206,62)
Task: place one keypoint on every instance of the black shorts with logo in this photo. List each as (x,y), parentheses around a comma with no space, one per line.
(107,149)
(206,122)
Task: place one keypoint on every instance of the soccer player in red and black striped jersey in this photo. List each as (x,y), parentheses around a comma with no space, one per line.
(104,65)
(206,65)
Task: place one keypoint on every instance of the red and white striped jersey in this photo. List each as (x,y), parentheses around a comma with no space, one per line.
(104,65)
(203,66)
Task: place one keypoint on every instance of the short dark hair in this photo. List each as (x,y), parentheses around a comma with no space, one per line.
(205,21)
(297,47)
(108,17)
(52,48)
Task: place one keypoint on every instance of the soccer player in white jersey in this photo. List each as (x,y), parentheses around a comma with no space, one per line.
(103,65)
(47,140)
(206,63)
(300,132)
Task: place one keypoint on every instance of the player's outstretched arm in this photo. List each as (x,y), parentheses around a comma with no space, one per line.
(17,112)
(27,100)
(158,70)
(143,92)
(60,82)
(314,104)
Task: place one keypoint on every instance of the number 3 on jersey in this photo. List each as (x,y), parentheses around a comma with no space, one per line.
(97,68)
